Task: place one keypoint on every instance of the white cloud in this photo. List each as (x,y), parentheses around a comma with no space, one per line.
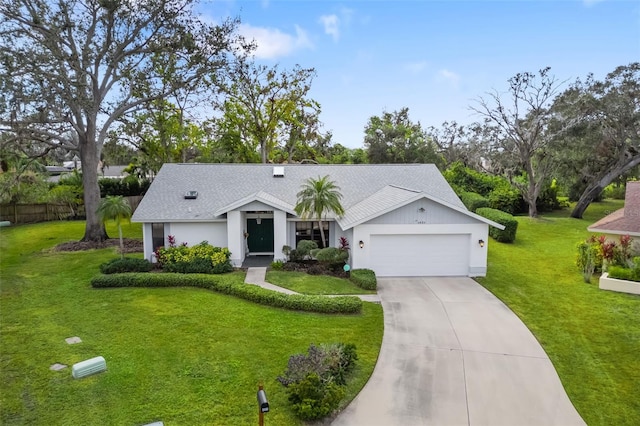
(415,67)
(273,43)
(449,76)
(331,25)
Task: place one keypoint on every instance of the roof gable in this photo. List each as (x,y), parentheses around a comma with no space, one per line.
(260,196)
(390,198)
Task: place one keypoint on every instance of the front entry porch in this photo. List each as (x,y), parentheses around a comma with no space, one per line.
(261,260)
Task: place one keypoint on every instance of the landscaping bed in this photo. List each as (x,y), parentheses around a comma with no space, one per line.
(130,245)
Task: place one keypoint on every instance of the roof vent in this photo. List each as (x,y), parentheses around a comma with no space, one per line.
(278,172)
(191,195)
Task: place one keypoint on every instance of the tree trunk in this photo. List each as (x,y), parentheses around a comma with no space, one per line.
(89,156)
(593,189)
(588,195)
(533,190)
(324,243)
(121,242)
(263,151)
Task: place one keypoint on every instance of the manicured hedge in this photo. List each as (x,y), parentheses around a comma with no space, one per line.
(125,264)
(253,293)
(364,278)
(508,235)
(473,201)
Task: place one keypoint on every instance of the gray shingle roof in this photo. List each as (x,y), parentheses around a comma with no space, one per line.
(221,186)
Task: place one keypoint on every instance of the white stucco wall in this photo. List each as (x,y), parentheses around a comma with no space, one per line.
(194,233)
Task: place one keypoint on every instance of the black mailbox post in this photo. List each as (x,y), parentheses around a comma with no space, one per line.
(263,405)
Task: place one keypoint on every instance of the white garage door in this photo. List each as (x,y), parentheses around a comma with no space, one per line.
(420,255)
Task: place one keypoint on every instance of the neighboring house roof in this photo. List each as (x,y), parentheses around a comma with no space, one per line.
(368,190)
(625,221)
(116,171)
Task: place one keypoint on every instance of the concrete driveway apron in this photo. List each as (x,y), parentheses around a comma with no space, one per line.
(453,354)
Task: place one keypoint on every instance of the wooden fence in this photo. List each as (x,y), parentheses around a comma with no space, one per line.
(32,213)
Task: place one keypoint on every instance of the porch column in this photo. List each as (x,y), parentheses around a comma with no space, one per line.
(235,237)
(279,234)
(147,241)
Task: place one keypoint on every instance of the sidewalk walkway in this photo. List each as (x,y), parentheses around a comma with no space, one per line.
(256,276)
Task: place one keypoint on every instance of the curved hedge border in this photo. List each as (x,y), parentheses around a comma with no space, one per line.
(253,293)
(508,235)
(364,278)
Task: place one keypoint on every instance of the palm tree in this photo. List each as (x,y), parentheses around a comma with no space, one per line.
(114,208)
(318,197)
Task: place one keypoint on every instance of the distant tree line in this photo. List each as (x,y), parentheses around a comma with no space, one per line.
(148,82)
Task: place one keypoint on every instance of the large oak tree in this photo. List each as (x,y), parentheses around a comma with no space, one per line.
(605,144)
(263,106)
(394,138)
(521,119)
(69,69)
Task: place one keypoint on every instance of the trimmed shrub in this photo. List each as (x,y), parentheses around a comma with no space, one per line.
(473,201)
(203,258)
(315,380)
(313,398)
(127,264)
(621,273)
(508,235)
(193,266)
(304,247)
(364,278)
(219,283)
(333,257)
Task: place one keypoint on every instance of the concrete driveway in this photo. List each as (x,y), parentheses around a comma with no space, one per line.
(453,354)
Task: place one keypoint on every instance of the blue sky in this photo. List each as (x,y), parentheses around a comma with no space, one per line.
(434,57)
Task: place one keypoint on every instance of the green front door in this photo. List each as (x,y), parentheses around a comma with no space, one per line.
(260,239)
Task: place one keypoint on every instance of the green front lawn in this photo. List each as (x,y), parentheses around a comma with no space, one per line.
(183,356)
(314,284)
(592,336)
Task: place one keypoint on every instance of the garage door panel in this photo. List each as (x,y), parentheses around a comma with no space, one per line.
(420,255)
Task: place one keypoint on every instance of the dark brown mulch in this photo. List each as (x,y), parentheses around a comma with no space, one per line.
(130,245)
